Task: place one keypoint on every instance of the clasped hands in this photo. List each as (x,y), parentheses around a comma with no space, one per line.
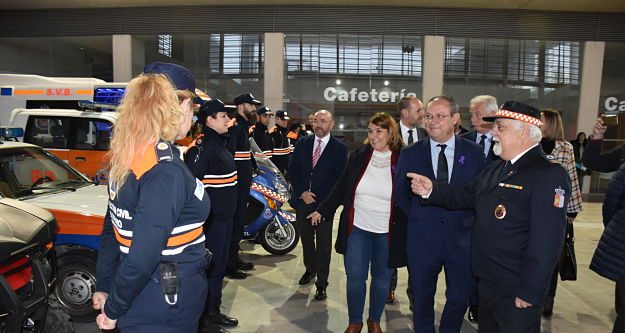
(104,322)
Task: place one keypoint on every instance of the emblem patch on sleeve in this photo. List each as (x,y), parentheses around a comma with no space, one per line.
(558,199)
(199,189)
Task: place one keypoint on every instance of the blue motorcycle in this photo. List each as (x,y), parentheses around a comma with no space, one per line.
(267,223)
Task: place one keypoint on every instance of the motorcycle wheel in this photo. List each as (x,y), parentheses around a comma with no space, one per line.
(274,242)
(75,286)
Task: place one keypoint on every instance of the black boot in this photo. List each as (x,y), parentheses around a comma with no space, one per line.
(548,307)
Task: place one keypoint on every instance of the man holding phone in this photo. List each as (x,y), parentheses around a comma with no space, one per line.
(592,157)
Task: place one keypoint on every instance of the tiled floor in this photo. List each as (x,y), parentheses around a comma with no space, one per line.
(271,300)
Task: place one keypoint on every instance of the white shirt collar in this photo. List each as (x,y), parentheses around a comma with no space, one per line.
(451,143)
(405,128)
(324,140)
(516,158)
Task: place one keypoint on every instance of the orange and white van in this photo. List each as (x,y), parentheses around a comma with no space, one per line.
(80,138)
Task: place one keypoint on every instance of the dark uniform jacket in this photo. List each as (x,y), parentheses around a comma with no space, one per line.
(322,178)
(211,162)
(520,221)
(156,216)
(261,136)
(609,258)
(239,146)
(281,148)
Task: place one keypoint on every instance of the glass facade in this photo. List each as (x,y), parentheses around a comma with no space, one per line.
(351,75)
(545,74)
(224,65)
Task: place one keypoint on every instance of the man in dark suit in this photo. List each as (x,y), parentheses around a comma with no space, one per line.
(410,110)
(520,221)
(483,106)
(317,162)
(438,237)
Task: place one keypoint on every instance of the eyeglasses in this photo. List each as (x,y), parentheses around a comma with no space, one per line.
(438,117)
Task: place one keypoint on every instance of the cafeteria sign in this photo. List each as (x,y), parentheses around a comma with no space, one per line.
(332,94)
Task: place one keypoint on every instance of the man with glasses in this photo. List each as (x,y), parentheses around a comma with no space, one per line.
(438,238)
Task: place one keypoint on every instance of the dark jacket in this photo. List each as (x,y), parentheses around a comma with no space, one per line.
(322,178)
(520,222)
(281,148)
(606,162)
(471,136)
(344,193)
(576,147)
(609,258)
(261,136)
(239,145)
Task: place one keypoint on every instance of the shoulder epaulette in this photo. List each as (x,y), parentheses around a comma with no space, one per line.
(164,152)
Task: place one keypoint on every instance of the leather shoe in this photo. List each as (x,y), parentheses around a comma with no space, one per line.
(321,294)
(374,327)
(473,314)
(354,328)
(236,274)
(390,299)
(306,278)
(223,320)
(243,265)
(207,327)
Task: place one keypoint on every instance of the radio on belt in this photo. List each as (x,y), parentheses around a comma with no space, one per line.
(169,281)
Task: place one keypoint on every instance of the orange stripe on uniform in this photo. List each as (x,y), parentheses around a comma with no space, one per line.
(142,165)
(187,237)
(83,92)
(220,180)
(121,240)
(72,223)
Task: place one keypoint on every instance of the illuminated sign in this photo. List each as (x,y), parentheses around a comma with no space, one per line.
(613,104)
(332,94)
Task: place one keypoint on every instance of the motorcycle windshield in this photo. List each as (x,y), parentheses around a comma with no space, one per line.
(263,160)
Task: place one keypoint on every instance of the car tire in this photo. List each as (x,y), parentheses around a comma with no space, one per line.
(75,285)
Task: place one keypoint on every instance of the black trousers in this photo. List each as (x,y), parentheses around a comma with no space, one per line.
(498,314)
(240,217)
(316,243)
(619,301)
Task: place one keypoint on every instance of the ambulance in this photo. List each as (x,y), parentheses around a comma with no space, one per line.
(31,174)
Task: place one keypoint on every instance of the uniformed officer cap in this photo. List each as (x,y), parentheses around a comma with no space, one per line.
(212,107)
(518,111)
(246,98)
(282,115)
(180,77)
(264,110)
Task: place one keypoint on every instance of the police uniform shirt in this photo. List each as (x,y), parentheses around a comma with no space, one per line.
(156,216)
(281,147)
(211,162)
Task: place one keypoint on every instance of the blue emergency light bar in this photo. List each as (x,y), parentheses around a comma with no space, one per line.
(108,96)
(11,132)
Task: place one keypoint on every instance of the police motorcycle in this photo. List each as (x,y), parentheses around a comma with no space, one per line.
(267,222)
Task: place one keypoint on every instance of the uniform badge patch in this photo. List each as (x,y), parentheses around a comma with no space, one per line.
(162,146)
(500,212)
(558,199)
(199,189)
(198,142)
(112,192)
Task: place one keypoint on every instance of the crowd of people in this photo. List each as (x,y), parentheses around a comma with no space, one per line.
(491,206)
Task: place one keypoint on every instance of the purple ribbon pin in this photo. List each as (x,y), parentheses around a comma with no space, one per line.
(461,160)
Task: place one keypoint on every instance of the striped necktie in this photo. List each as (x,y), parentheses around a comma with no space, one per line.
(316,154)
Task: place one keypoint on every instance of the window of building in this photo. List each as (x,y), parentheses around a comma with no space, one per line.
(164,45)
